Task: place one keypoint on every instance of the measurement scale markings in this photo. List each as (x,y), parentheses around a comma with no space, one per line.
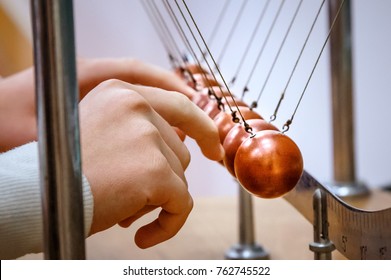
(356,233)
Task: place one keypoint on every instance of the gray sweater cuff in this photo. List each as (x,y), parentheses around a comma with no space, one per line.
(20,203)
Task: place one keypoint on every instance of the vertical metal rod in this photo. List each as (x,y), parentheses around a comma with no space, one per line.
(342,102)
(246,249)
(246,220)
(58,129)
(342,95)
(322,246)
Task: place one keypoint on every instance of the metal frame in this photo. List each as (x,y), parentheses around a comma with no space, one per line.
(247,247)
(58,129)
(345,181)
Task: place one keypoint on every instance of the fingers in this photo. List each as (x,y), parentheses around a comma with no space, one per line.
(128,221)
(171,194)
(94,71)
(170,220)
(154,76)
(173,146)
(180,133)
(160,230)
(184,114)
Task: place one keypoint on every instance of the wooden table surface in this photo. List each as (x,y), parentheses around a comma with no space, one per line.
(212,228)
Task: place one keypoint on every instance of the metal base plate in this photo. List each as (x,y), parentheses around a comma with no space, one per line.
(247,252)
(348,189)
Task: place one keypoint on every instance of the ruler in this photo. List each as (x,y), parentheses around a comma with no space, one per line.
(356,233)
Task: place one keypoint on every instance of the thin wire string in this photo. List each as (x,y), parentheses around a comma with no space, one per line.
(155,18)
(255,103)
(216,28)
(168,5)
(245,89)
(246,125)
(164,25)
(289,121)
(166,45)
(183,35)
(274,116)
(250,42)
(231,32)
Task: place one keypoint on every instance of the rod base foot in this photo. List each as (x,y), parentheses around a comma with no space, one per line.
(247,252)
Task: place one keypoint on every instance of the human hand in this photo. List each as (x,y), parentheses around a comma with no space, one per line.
(133,159)
(17,97)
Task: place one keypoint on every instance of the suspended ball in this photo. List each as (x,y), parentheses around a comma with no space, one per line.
(212,109)
(269,164)
(208,94)
(219,91)
(247,113)
(204,80)
(231,102)
(186,76)
(225,122)
(235,138)
(201,99)
(195,69)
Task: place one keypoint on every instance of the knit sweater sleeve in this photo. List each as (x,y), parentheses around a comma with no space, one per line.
(21,230)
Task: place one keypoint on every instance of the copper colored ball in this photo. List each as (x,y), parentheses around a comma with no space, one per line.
(232,103)
(205,95)
(191,84)
(179,72)
(236,136)
(216,90)
(212,109)
(269,164)
(247,113)
(225,123)
(185,75)
(208,94)
(204,80)
(201,99)
(195,69)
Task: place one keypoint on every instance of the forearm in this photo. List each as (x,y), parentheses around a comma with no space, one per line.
(20,203)
(17,110)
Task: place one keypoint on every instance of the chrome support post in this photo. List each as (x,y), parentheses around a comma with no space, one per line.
(246,249)
(58,129)
(322,246)
(345,183)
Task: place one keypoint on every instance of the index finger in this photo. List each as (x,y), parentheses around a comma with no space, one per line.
(170,220)
(93,71)
(179,111)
